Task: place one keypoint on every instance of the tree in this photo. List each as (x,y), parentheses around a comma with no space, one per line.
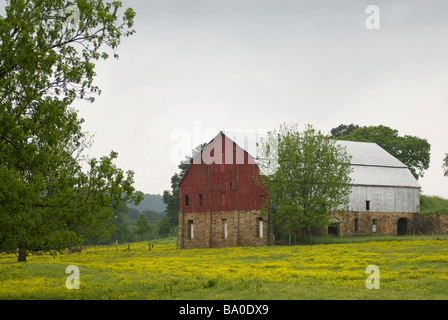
(142,225)
(445,165)
(311,183)
(172,200)
(172,197)
(343,130)
(165,228)
(123,223)
(414,152)
(48,49)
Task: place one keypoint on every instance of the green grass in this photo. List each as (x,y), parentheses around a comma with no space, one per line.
(332,239)
(433,204)
(412,267)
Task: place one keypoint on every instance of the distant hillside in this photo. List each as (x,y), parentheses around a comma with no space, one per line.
(153,202)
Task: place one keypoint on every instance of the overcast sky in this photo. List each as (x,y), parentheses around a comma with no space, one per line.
(210,65)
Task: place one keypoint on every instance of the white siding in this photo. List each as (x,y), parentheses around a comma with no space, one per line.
(385,199)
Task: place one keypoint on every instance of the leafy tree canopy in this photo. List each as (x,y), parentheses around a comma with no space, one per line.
(343,130)
(445,165)
(48,50)
(142,225)
(311,183)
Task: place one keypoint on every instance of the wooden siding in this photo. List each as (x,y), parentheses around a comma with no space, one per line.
(384,199)
(223,181)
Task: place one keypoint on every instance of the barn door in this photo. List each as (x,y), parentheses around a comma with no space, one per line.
(402,226)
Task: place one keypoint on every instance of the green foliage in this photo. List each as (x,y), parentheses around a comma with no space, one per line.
(414,152)
(171,197)
(311,183)
(172,200)
(445,165)
(123,225)
(343,130)
(142,225)
(47,202)
(165,228)
(433,204)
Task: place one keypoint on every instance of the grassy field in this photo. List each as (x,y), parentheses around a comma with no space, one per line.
(410,268)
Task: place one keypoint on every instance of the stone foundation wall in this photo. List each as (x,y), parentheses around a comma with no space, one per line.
(443,223)
(389,223)
(362,223)
(222,229)
(242,228)
(431,223)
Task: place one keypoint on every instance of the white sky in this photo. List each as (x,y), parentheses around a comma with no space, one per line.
(209,65)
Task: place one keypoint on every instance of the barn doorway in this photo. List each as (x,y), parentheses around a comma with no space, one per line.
(402,226)
(333,226)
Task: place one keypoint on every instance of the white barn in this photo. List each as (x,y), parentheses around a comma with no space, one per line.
(380,182)
(385,196)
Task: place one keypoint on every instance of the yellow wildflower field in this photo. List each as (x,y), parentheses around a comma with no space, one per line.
(414,269)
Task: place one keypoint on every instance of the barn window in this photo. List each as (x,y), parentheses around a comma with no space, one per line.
(230,185)
(200,199)
(367,205)
(187,200)
(190,229)
(224,228)
(356,224)
(260,227)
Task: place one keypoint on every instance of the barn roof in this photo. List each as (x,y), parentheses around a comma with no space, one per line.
(372,165)
(370,154)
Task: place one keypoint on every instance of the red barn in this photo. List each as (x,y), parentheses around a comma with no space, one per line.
(220,199)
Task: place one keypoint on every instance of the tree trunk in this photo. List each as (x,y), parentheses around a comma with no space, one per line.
(22,255)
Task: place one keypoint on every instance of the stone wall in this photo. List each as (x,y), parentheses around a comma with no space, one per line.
(390,223)
(371,223)
(213,229)
(431,223)
(242,228)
